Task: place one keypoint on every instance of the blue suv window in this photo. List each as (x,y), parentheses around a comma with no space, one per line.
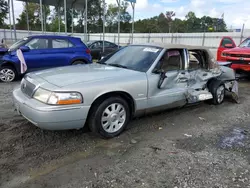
(38,43)
(60,43)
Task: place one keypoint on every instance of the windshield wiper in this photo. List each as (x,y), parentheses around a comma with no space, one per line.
(118,65)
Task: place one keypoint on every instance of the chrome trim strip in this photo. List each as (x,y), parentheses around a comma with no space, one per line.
(30,120)
(61,109)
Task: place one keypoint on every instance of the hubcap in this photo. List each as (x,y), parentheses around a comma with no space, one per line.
(220,93)
(113,118)
(7,75)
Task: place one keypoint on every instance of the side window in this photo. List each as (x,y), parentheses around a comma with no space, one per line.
(106,44)
(61,43)
(109,45)
(226,41)
(96,45)
(37,44)
(171,60)
(194,62)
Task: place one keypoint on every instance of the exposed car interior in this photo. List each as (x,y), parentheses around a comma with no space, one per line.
(197,60)
(171,60)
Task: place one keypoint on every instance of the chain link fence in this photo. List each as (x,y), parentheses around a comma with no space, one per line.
(210,40)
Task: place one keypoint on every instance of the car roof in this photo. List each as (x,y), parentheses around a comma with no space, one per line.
(92,41)
(210,56)
(167,45)
(178,46)
(53,36)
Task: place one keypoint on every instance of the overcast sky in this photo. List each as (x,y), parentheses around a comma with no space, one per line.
(235,11)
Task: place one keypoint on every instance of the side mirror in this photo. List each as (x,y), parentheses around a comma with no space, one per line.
(229,46)
(163,76)
(24,48)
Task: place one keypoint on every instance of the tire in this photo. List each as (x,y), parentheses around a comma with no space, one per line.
(7,74)
(217,88)
(78,62)
(99,56)
(105,117)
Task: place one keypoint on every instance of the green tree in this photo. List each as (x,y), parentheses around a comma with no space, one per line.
(54,25)
(192,22)
(3,12)
(163,23)
(95,15)
(33,10)
(178,26)
(112,18)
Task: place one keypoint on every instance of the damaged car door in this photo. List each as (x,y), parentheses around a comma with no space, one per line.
(168,81)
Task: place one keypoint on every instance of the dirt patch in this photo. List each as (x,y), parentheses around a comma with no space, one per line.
(177,148)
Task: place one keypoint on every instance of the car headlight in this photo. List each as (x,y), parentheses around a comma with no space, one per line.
(65,98)
(58,98)
(42,95)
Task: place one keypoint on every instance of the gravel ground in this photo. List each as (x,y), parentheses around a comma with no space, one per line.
(198,146)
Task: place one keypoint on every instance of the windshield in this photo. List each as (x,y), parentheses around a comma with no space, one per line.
(138,58)
(89,43)
(19,43)
(245,43)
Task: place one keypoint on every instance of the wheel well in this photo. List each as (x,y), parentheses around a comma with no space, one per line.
(83,60)
(127,97)
(209,82)
(213,80)
(8,64)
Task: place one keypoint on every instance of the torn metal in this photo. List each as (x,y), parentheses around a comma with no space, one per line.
(209,69)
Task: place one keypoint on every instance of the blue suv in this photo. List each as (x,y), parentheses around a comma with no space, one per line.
(42,52)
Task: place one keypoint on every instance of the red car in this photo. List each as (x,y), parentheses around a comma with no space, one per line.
(239,56)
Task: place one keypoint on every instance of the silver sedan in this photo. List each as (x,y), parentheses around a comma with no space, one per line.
(133,81)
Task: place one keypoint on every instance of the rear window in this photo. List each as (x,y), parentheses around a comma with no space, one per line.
(61,43)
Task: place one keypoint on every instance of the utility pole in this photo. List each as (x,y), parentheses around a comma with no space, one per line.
(65,16)
(86,21)
(13,17)
(242,32)
(41,14)
(133,21)
(103,25)
(10,20)
(119,20)
(27,17)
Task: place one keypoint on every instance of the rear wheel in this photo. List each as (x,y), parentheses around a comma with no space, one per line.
(7,74)
(217,88)
(78,62)
(110,117)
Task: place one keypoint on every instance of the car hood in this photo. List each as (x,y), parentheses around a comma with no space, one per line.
(64,76)
(238,50)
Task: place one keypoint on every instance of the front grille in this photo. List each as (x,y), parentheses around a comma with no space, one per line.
(27,88)
(239,55)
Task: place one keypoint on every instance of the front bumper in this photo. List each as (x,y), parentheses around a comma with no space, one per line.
(243,67)
(50,117)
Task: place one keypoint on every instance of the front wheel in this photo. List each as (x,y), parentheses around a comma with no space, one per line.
(7,74)
(110,117)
